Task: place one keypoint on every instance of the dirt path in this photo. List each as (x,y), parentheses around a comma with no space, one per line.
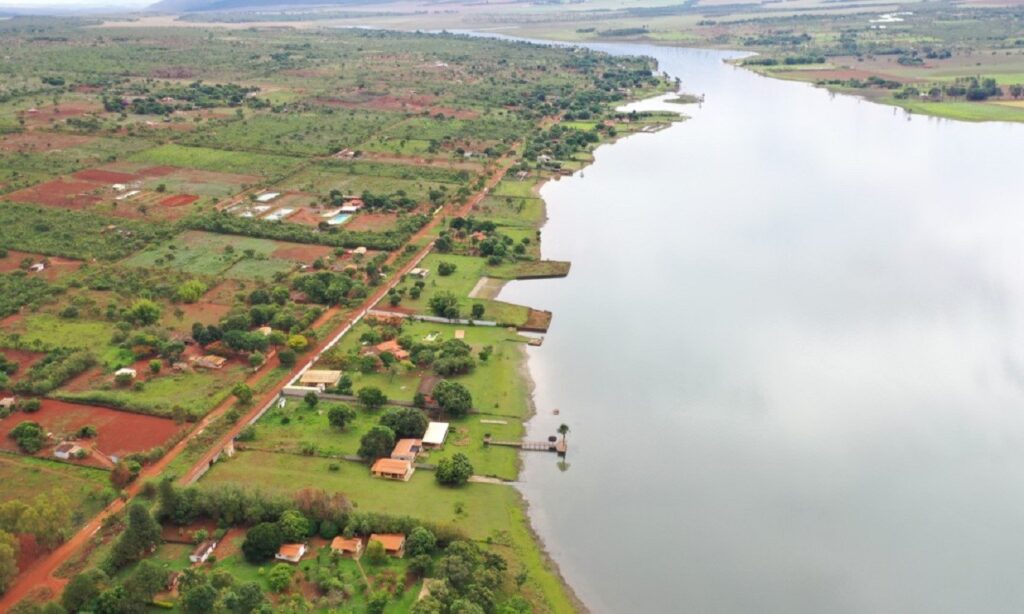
(41,573)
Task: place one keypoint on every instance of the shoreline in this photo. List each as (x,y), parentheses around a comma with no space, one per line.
(525,371)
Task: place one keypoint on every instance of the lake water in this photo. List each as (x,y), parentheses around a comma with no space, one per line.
(791,353)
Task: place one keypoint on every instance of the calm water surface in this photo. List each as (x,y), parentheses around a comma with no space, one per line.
(791,352)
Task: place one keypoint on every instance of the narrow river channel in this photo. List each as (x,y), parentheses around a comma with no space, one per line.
(791,353)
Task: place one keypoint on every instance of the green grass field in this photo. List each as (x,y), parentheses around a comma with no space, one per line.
(52,331)
(217,160)
(468,271)
(488,512)
(24,478)
(209,254)
(197,392)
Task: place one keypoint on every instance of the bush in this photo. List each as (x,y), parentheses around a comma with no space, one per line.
(453,398)
(286,357)
(377,443)
(444,269)
(29,436)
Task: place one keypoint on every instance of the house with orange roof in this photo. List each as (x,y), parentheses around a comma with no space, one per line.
(292,553)
(392,469)
(394,543)
(407,449)
(392,348)
(352,547)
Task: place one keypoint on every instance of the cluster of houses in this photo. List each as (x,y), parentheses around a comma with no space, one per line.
(351,547)
(401,464)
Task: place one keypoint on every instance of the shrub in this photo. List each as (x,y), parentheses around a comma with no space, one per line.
(454,471)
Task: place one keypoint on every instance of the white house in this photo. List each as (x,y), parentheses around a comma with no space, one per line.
(126,371)
(66,450)
(203,551)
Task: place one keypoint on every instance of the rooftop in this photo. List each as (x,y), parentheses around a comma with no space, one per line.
(390,541)
(391,465)
(436,432)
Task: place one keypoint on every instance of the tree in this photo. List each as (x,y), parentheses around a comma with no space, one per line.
(375,553)
(453,398)
(420,541)
(146,580)
(262,542)
(371,398)
(140,536)
(82,590)
(406,422)
(311,398)
(454,471)
(477,311)
(286,357)
(444,269)
(280,577)
(155,365)
(29,436)
(199,599)
(246,599)
(243,393)
(444,304)
(340,415)
(144,312)
(190,291)
(377,602)
(298,342)
(256,359)
(294,526)
(563,430)
(8,560)
(377,443)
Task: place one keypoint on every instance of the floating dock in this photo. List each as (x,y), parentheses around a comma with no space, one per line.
(560,447)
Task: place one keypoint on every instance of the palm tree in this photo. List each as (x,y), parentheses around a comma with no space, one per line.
(563,431)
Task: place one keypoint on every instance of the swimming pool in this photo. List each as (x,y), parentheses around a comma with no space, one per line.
(340,218)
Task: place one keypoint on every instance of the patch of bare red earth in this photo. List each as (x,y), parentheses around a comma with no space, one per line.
(56,268)
(101,176)
(372,221)
(300,252)
(179,200)
(118,432)
(58,193)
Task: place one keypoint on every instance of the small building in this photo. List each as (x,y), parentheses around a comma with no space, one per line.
(266,197)
(292,553)
(392,469)
(392,348)
(436,433)
(347,547)
(418,272)
(394,543)
(67,450)
(8,403)
(203,551)
(126,371)
(210,361)
(359,251)
(460,334)
(37,267)
(320,377)
(265,331)
(407,449)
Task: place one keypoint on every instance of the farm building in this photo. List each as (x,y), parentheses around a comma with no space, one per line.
(392,469)
(210,361)
(407,449)
(394,543)
(347,547)
(359,251)
(320,377)
(436,433)
(67,450)
(126,371)
(292,553)
(418,272)
(266,197)
(203,551)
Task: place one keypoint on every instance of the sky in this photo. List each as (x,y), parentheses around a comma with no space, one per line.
(66,5)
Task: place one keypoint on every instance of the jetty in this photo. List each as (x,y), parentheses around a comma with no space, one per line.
(560,447)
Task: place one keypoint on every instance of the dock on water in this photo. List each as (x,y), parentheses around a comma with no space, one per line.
(560,447)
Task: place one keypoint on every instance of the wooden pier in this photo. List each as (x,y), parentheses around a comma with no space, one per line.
(559,447)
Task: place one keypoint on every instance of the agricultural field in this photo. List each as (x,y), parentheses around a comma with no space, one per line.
(215,255)
(25,477)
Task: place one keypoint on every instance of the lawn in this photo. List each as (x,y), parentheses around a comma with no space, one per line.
(52,331)
(468,271)
(486,512)
(496,385)
(965,111)
(24,478)
(197,392)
